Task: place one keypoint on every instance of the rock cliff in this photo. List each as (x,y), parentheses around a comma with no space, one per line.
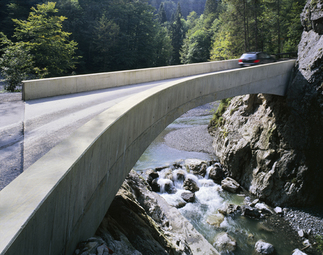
(273,145)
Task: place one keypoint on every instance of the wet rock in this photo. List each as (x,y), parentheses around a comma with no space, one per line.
(215,173)
(152,177)
(301,233)
(166,185)
(196,166)
(254,202)
(188,197)
(166,173)
(177,202)
(225,243)
(94,245)
(230,185)
(215,219)
(179,175)
(251,239)
(264,209)
(279,210)
(228,209)
(262,247)
(298,252)
(250,212)
(154,185)
(191,184)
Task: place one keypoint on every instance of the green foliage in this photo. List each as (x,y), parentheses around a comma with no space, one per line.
(177,35)
(16,63)
(162,18)
(272,26)
(210,7)
(43,36)
(196,47)
(127,34)
(217,119)
(319,241)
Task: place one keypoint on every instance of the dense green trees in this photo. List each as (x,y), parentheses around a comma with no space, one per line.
(126,34)
(41,44)
(256,25)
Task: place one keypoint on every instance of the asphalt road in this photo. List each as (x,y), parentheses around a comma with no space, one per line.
(28,130)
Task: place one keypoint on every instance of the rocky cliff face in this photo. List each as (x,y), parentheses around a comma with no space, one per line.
(274,145)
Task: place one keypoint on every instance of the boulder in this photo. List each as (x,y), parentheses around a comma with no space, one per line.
(191,184)
(223,242)
(279,210)
(298,252)
(250,212)
(215,219)
(179,175)
(228,209)
(196,166)
(155,185)
(215,173)
(230,185)
(188,197)
(166,185)
(262,247)
(301,233)
(264,209)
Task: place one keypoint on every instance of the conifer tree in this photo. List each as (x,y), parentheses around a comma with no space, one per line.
(210,7)
(177,35)
(162,14)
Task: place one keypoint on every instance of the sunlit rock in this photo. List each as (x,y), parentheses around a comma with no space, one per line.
(261,247)
(188,197)
(223,242)
(215,219)
(230,185)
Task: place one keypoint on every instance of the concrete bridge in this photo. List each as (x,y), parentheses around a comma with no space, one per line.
(62,197)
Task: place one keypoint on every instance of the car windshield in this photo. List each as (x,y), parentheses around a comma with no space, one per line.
(248,56)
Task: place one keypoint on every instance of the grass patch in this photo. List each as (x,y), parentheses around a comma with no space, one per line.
(217,119)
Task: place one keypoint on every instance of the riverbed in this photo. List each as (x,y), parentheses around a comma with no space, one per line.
(187,137)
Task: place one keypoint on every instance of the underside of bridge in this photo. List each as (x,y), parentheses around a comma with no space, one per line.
(62,198)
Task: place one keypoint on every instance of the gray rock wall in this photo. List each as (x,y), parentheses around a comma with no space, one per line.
(274,145)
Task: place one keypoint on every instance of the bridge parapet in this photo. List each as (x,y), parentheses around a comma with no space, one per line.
(62,198)
(41,88)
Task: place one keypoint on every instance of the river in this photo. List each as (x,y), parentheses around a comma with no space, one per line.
(178,142)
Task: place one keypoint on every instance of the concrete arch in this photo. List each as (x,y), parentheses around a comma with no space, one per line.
(62,198)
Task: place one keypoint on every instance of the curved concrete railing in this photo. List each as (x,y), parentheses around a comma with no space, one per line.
(62,198)
(34,89)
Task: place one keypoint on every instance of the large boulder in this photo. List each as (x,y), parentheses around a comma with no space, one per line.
(215,172)
(225,243)
(196,166)
(262,247)
(230,185)
(191,184)
(273,145)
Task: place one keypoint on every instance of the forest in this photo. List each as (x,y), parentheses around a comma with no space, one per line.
(47,39)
